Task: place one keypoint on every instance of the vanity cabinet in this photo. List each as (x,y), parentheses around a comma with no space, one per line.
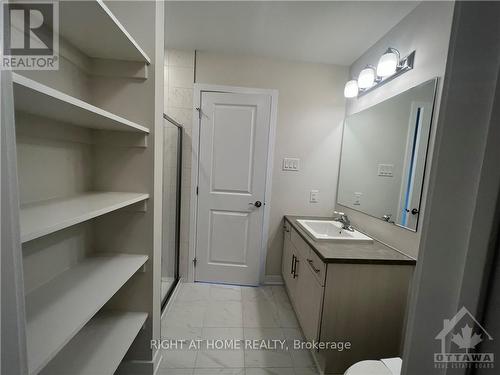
(341,300)
(290,264)
(308,302)
(301,278)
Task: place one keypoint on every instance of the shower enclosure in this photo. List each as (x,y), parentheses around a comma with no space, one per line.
(172,177)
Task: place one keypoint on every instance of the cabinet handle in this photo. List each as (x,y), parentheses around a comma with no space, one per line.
(293,264)
(311,263)
(295,274)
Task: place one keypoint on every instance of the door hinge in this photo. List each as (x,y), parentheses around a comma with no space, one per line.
(197,190)
(195,261)
(199,112)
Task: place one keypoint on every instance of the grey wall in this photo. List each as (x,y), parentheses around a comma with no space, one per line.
(426,30)
(464,185)
(310,114)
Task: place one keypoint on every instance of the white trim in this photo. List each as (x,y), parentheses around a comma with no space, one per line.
(198,89)
(273,280)
(13,317)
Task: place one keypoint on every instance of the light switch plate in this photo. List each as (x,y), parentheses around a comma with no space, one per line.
(386,170)
(314,196)
(357,198)
(291,164)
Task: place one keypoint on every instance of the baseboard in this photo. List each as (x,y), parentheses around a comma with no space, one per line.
(273,280)
(140,367)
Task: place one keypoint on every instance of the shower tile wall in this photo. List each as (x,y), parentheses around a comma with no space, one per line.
(179,78)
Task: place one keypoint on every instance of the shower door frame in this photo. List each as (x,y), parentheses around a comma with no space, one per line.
(180,128)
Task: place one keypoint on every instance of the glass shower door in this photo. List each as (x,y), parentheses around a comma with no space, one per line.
(172,169)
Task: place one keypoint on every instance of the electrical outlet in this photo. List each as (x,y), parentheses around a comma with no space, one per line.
(314,196)
(291,164)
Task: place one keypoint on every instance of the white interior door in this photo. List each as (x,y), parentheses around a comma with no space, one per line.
(233,155)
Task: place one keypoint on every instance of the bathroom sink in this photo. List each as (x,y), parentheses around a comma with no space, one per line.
(330,230)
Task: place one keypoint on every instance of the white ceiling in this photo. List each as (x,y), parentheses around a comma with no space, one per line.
(336,32)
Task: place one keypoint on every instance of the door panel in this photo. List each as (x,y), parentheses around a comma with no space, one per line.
(234,135)
(308,303)
(289,267)
(228,238)
(232,161)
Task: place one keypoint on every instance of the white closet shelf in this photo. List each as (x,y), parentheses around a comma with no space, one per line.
(92,28)
(35,98)
(42,218)
(58,310)
(100,346)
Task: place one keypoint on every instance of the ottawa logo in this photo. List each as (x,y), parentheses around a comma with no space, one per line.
(460,338)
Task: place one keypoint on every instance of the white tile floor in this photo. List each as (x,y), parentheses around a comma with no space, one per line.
(210,311)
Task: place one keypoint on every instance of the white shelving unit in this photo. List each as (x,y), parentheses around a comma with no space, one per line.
(42,218)
(38,99)
(83,156)
(93,29)
(99,347)
(57,310)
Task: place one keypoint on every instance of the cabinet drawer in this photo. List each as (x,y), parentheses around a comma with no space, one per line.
(301,245)
(318,267)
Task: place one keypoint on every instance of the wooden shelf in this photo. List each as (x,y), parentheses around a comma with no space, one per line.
(100,346)
(42,218)
(92,28)
(38,99)
(57,310)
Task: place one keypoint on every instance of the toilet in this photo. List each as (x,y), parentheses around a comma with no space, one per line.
(387,366)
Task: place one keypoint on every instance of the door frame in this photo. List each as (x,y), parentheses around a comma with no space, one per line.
(198,90)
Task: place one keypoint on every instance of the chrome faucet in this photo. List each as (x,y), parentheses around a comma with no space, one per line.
(344,220)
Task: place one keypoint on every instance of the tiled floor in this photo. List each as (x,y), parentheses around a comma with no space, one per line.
(209,311)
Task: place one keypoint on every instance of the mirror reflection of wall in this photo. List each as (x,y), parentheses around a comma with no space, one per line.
(384,150)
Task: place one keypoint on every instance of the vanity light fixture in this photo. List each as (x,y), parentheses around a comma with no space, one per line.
(367,77)
(351,89)
(390,66)
(388,63)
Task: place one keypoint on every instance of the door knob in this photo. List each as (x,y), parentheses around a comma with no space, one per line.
(414,211)
(256,204)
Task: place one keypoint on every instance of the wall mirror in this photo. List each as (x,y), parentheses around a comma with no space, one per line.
(384,151)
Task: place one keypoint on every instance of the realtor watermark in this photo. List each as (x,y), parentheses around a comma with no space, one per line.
(459,339)
(236,344)
(30,35)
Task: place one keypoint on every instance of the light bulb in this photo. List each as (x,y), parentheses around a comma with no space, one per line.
(366,78)
(351,89)
(388,63)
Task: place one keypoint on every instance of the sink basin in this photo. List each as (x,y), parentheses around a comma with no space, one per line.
(330,230)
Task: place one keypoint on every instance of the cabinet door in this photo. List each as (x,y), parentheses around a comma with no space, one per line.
(289,267)
(308,302)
